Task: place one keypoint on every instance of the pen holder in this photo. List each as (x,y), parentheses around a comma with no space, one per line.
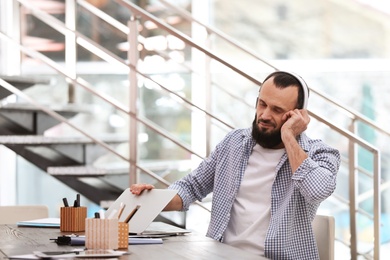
(123,235)
(72,219)
(101,233)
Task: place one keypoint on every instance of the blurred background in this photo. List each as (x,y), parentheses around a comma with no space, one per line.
(104,93)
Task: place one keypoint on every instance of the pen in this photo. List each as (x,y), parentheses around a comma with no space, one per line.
(97,215)
(78,200)
(75,204)
(65,202)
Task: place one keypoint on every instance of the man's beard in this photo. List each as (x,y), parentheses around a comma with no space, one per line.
(265,139)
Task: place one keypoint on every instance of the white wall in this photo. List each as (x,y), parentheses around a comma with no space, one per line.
(7,176)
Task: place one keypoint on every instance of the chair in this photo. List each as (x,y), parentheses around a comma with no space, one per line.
(324,232)
(16,213)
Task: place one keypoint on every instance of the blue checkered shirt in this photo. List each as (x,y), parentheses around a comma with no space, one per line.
(294,197)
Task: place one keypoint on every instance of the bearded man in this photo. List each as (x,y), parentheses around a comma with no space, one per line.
(267,180)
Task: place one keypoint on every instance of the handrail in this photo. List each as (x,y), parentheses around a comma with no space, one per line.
(86,86)
(355,114)
(105,55)
(80,38)
(54,23)
(67,122)
(356,139)
(62,119)
(186,15)
(124,29)
(59,26)
(138,11)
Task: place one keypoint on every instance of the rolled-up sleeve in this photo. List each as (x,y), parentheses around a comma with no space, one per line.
(316,176)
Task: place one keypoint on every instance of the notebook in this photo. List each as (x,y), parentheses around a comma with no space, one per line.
(141,210)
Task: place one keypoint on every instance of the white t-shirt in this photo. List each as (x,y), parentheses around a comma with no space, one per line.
(250,214)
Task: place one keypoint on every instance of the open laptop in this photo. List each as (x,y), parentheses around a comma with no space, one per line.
(140,211)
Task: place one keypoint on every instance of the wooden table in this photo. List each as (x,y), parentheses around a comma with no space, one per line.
(24,240)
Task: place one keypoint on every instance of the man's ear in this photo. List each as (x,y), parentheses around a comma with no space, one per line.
(257,101)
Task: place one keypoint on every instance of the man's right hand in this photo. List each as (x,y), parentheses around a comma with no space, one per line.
(139,187)
(175,204)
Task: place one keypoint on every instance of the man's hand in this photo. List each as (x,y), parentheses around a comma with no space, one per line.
(175,204)
(138,188)
(295,122)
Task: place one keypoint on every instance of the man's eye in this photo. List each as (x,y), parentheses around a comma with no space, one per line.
(278,110)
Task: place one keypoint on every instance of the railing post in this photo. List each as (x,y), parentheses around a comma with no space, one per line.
(353,193)
(201,89)
(377,205)
(133,55)
(70,45)
(209,99)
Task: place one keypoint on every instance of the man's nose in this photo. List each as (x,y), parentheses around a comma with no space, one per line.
(267,114)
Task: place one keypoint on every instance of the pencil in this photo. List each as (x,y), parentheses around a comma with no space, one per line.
(121,208)
(132,213)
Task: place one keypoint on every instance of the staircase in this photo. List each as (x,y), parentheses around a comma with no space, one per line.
(94,152)
(22,130)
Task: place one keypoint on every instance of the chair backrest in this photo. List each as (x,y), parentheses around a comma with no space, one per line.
(324,232)
(16,213)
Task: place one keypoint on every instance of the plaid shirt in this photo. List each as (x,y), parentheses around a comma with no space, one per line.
(294,197)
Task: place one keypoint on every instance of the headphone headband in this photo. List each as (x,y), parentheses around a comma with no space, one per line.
(305,88)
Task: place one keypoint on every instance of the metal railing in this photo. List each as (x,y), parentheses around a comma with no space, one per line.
(355,116)
(130,67)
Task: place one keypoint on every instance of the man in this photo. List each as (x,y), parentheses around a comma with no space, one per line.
(267,180)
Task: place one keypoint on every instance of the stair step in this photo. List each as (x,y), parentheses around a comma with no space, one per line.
(24,81)
(84,171)
(45,140)
(69,107)
(20,83)
(45,151)
(118,168)
(27,119)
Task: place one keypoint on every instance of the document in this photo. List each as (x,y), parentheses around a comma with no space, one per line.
(43,222)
